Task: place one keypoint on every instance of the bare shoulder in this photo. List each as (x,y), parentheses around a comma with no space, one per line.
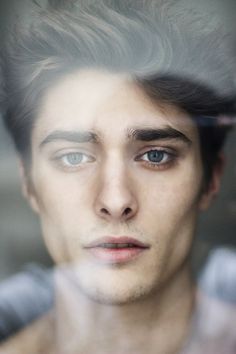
(34,339)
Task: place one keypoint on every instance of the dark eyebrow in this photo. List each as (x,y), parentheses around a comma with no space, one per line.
(77,137)
(158,134)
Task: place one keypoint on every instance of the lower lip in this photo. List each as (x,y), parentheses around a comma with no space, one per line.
(116,256)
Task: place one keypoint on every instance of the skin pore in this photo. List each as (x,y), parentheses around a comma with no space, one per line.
(108,162)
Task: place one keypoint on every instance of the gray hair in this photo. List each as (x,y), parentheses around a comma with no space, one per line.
(143,38)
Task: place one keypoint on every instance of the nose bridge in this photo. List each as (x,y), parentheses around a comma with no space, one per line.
(115,199)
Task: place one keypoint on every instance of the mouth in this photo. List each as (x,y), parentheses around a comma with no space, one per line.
(116,250)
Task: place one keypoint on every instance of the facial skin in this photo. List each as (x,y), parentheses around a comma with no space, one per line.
(112,185)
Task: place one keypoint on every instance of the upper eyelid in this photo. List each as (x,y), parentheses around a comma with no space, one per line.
(64,152)
(74,153)
(168,150)
(54,149)
(165,144)
(164,151)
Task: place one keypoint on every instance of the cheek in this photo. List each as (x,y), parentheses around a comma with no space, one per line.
(62,207)
(170,216)
(60,195)
(172,195)
(170,207)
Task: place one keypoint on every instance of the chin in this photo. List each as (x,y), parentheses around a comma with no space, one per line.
(115,296)
(114,288)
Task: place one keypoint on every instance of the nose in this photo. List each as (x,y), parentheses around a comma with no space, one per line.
(116,200)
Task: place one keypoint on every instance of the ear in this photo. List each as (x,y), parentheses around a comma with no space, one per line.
(27,186)
(214,184)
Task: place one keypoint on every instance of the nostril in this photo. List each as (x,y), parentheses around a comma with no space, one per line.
(104,211)
(127,211)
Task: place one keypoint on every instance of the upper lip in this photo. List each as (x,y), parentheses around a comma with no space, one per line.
(116,240)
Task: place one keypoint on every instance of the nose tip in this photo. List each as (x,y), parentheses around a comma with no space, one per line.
(116,203)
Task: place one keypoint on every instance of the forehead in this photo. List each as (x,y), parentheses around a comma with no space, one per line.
(107,104)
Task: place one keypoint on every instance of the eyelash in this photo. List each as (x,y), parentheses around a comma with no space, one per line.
(167,156)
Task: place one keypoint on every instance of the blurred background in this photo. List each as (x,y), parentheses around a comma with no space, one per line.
(20,239)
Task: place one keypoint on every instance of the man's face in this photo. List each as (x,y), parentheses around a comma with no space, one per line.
(116,181)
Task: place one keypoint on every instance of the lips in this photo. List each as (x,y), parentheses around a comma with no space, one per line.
(116,250)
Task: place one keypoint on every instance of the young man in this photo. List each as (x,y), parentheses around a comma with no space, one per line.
(120,142)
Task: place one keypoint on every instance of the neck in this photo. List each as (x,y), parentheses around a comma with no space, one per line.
(157,323)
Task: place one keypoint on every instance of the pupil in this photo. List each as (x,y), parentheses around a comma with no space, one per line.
(74,159)
(155,155)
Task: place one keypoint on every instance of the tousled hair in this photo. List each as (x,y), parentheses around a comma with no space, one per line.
(173,53)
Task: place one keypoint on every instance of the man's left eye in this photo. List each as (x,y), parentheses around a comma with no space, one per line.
(155,156)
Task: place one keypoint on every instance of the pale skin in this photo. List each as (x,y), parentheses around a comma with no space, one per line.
(106,160)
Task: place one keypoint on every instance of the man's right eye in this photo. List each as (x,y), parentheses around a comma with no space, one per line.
(73,159)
